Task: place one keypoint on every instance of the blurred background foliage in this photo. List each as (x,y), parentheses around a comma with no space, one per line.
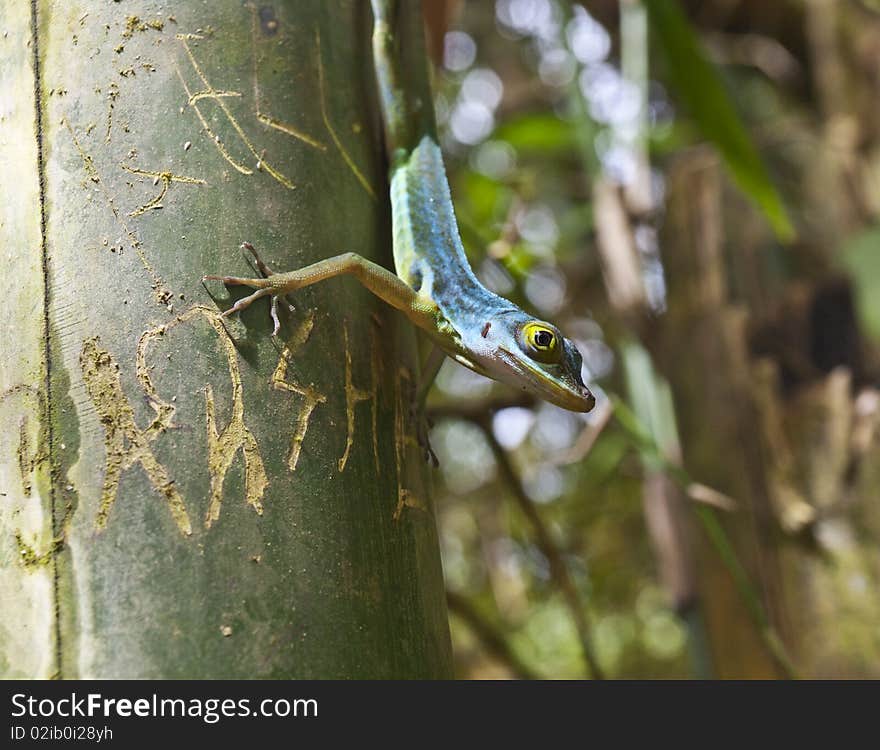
(691,190)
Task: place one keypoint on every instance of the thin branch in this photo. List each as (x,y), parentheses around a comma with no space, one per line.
(764,53)
(558,569)
(493,641)
(478,409)
(588,437)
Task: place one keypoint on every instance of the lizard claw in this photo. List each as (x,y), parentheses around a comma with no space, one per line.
(423,427)
(264,270)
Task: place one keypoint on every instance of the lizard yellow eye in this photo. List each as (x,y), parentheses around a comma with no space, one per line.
(540,342)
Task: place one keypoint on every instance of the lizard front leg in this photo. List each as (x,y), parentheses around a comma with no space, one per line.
(380,281)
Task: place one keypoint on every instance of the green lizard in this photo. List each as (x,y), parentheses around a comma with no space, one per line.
(434,285)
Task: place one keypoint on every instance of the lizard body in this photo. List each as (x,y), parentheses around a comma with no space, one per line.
(434,285)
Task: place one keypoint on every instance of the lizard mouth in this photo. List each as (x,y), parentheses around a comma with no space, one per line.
(571,396)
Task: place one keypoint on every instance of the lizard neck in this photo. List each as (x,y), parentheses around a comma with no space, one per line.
(428,253)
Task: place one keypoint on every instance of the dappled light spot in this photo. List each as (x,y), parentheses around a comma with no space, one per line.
(545,288)
(465,458)
(588,39)
(511,426)
(459,51)
(545,484)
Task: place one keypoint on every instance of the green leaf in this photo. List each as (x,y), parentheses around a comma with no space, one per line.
(538,133)
(861,256)
(698,85)
(650,397)
(486,199)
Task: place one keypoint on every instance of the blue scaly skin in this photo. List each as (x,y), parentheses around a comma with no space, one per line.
(434,285)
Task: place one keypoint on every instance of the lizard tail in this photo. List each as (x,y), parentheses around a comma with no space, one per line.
(392,95)
(402,76)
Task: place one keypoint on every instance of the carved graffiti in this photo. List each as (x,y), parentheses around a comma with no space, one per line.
(311,396)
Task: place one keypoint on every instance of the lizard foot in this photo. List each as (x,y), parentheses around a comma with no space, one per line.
(263,289)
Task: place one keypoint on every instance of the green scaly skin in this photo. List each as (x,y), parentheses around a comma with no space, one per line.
(434,285)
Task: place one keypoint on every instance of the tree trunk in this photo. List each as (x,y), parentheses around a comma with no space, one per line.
(792,437)
(184,496)
(701,349)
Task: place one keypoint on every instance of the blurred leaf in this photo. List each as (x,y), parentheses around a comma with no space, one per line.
(482,202)
(650,397)
(602,461)
(699,86)
(637,432)
(542,133)
(861,256)
(668,138)
(480,207)
(519,260)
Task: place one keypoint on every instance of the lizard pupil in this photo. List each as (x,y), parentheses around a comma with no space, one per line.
(544,339)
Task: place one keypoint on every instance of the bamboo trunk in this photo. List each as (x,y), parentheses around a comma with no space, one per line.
(184,496)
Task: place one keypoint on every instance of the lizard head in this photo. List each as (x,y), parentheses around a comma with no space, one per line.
(533,355)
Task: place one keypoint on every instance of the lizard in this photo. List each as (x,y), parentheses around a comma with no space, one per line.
(434,286)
